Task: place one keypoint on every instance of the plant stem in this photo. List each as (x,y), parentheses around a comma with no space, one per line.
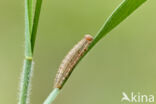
(30,34)
(25,82)
(27,68)
(52,96)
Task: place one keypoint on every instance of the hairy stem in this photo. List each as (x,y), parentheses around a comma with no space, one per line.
(30,35)
(25,82)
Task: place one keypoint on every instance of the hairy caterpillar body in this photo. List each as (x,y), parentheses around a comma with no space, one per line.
(71,60)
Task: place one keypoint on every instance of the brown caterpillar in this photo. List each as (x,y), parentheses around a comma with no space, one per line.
(70,61)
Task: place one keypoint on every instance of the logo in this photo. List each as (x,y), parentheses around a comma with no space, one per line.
(137,98)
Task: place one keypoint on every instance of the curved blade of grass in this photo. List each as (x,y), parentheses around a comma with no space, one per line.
(35,23)
(120,13)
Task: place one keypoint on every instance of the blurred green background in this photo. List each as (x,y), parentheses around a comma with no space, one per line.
(124,60)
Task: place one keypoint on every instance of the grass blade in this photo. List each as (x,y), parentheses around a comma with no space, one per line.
(35,23)
(120,13)
(28,19)
(30,14)
(126,8)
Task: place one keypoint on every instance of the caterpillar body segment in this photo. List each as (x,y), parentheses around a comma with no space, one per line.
(71,60)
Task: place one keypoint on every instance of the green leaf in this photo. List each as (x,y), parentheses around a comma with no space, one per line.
(28,20)
(35,23)
(120,13)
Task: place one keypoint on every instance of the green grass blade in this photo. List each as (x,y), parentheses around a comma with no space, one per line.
(120,13)
(30,13)
(28,51)
(35,23)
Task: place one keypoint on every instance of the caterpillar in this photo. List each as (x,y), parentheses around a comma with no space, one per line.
(71,60)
